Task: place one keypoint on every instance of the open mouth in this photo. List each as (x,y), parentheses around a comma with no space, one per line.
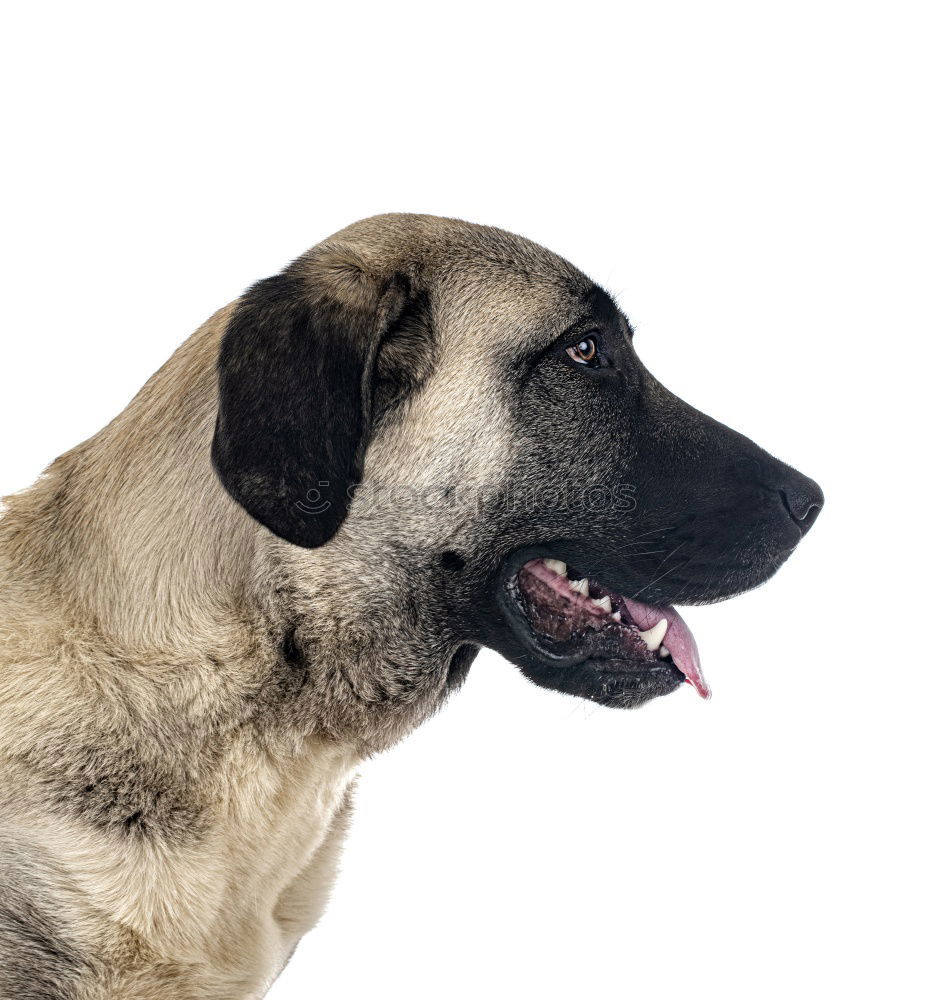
(573,620)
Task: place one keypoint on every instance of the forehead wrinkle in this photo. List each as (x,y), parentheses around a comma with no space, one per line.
(473,310)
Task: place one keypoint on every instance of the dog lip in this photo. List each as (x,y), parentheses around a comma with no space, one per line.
(558,609)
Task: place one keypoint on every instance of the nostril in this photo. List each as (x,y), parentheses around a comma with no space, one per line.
(803,507)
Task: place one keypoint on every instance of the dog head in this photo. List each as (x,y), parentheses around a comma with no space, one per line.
(460,417)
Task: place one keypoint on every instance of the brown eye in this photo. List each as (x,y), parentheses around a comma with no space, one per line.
(585,351)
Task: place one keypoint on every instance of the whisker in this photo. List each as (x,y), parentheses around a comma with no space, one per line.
(652,531)
(652,552)
(675,548)
(657,579)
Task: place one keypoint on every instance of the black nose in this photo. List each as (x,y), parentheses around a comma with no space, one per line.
(803,500)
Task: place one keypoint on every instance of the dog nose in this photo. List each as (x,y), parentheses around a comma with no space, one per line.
(803,499)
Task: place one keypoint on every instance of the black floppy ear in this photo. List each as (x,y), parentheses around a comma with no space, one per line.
(295,391)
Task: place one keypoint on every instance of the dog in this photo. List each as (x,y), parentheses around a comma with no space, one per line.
(421,438)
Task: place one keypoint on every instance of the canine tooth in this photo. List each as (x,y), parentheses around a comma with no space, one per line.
(664,653)
(605,603)
(653,637)
(617,616)
(555,566)
(580,586)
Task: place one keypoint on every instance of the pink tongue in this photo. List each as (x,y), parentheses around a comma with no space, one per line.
(679,640)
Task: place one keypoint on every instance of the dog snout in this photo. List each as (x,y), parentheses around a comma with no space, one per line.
(800,497)
(803,500)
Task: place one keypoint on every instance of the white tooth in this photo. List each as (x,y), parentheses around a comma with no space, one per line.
(653,637)
(617,616)
(664,653)
(580,586)
(605,603)
(555,566)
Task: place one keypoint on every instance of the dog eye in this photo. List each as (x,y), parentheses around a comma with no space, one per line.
(585,351)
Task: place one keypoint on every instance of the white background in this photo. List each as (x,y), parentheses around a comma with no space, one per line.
(752,181)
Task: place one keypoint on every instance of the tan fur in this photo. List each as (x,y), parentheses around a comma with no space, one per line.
(117,611)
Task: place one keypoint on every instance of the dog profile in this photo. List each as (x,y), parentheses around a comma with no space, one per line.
(421,438)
